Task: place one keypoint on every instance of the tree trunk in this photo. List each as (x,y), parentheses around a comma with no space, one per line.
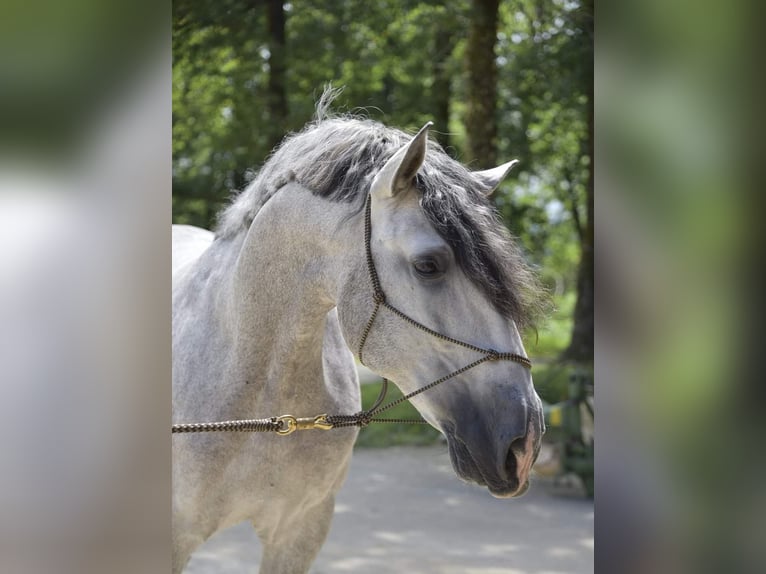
(441,91)
(581,345)
(277,94)
(480,121)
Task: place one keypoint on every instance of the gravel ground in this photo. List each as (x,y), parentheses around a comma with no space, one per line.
(402,510)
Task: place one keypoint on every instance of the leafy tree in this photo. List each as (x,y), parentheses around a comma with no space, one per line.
(545,61)
(219,119)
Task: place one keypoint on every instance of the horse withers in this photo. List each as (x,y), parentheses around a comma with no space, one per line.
(267,311)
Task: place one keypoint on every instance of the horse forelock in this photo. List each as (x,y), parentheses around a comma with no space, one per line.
(337,157)
(454,202)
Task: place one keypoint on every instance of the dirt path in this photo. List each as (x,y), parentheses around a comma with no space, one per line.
(403,510)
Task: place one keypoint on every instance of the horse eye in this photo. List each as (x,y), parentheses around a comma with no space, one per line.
(427,267)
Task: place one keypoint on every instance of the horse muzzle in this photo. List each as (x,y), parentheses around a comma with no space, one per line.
(501,460)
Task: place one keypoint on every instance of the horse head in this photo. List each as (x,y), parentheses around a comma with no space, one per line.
(442,258)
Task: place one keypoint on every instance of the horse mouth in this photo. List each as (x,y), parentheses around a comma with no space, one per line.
(468,469)
(505,493)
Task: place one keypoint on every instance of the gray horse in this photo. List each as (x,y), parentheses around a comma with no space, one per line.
(265,313)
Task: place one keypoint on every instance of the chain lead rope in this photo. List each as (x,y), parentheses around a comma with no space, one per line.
(286,424)
(249,425)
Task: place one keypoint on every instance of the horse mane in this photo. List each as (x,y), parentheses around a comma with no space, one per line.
(337,157)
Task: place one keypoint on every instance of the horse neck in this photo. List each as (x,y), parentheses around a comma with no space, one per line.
(283,285)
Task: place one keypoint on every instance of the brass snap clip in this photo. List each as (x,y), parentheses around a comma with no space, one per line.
(290,424)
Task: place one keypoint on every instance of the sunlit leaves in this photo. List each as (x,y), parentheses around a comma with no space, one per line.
(543,61)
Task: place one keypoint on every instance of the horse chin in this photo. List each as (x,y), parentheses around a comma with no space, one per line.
(507,493)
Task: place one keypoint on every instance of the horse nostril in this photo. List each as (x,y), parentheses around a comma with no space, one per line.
(511,464)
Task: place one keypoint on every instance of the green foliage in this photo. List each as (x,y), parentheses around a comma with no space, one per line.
(552,335)
(217,105)
(545,63)
(391,434)
(552,379)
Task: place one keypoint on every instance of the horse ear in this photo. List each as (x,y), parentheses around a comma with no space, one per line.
(494,177)
(399,171)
